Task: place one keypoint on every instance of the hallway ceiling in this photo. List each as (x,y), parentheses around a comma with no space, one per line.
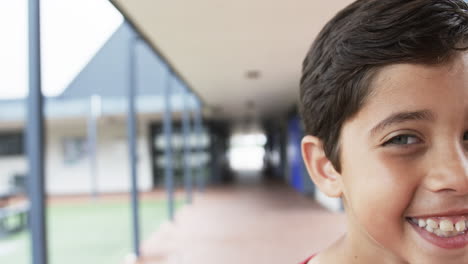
(233,52)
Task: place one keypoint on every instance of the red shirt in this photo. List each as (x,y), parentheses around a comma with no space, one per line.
(307,260)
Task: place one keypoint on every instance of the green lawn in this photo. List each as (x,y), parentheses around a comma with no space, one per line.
(89,232)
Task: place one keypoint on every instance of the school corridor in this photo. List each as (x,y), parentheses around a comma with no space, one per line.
(158,132)
(252,221)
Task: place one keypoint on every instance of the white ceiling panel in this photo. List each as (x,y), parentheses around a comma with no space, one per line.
(213,44)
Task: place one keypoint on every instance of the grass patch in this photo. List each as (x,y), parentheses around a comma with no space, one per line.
(88,232)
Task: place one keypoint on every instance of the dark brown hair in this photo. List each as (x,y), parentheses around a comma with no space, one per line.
(361,39)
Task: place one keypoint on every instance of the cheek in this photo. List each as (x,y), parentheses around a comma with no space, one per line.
(378,193)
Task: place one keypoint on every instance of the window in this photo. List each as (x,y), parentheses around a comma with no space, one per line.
(74,149)
(11,143)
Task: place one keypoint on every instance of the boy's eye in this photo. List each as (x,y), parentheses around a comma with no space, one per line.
(465,136)
(405,140)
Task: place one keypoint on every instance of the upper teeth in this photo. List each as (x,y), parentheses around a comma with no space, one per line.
(444,228)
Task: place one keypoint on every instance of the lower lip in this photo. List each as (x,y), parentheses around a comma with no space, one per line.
(455,242)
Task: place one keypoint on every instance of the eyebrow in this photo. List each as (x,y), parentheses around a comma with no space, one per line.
(401,117)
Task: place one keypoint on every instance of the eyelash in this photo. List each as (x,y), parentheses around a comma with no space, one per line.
(399,137)
(391,141)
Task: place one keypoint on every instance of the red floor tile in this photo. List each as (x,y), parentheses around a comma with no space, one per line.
(256,223)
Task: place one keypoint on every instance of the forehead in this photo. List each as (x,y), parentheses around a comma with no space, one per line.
(410,87)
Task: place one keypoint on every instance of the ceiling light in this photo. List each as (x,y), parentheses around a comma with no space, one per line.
(252,74)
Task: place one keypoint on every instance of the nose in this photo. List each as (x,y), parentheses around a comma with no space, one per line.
(448,171)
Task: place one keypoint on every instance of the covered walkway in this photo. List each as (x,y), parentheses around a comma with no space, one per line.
(168,99)
(249,222)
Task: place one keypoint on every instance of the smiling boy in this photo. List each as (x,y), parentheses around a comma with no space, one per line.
(384,100)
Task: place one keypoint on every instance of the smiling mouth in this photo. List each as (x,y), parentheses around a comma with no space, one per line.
(445,232)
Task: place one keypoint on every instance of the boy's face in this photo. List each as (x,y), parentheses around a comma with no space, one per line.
(404,159)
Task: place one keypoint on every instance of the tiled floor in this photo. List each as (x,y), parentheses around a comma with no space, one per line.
(249,223)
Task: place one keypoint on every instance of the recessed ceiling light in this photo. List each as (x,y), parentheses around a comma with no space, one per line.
(250,104)
(252,74)
(216,109)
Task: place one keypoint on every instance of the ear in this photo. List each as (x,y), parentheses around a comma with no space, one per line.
(320,168)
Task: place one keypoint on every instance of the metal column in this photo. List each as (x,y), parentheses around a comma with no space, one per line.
(167,126)
(132,135)
(199,132)
(94,113)
(35,140)
(187,145)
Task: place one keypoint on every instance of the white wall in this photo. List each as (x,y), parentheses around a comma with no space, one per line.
(333,204)
(113,171)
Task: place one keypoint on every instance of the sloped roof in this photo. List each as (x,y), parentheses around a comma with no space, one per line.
(107,75)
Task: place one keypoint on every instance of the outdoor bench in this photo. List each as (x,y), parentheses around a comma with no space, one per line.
(13,218)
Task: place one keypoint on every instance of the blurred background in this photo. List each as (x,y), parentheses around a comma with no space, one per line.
(165,132)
